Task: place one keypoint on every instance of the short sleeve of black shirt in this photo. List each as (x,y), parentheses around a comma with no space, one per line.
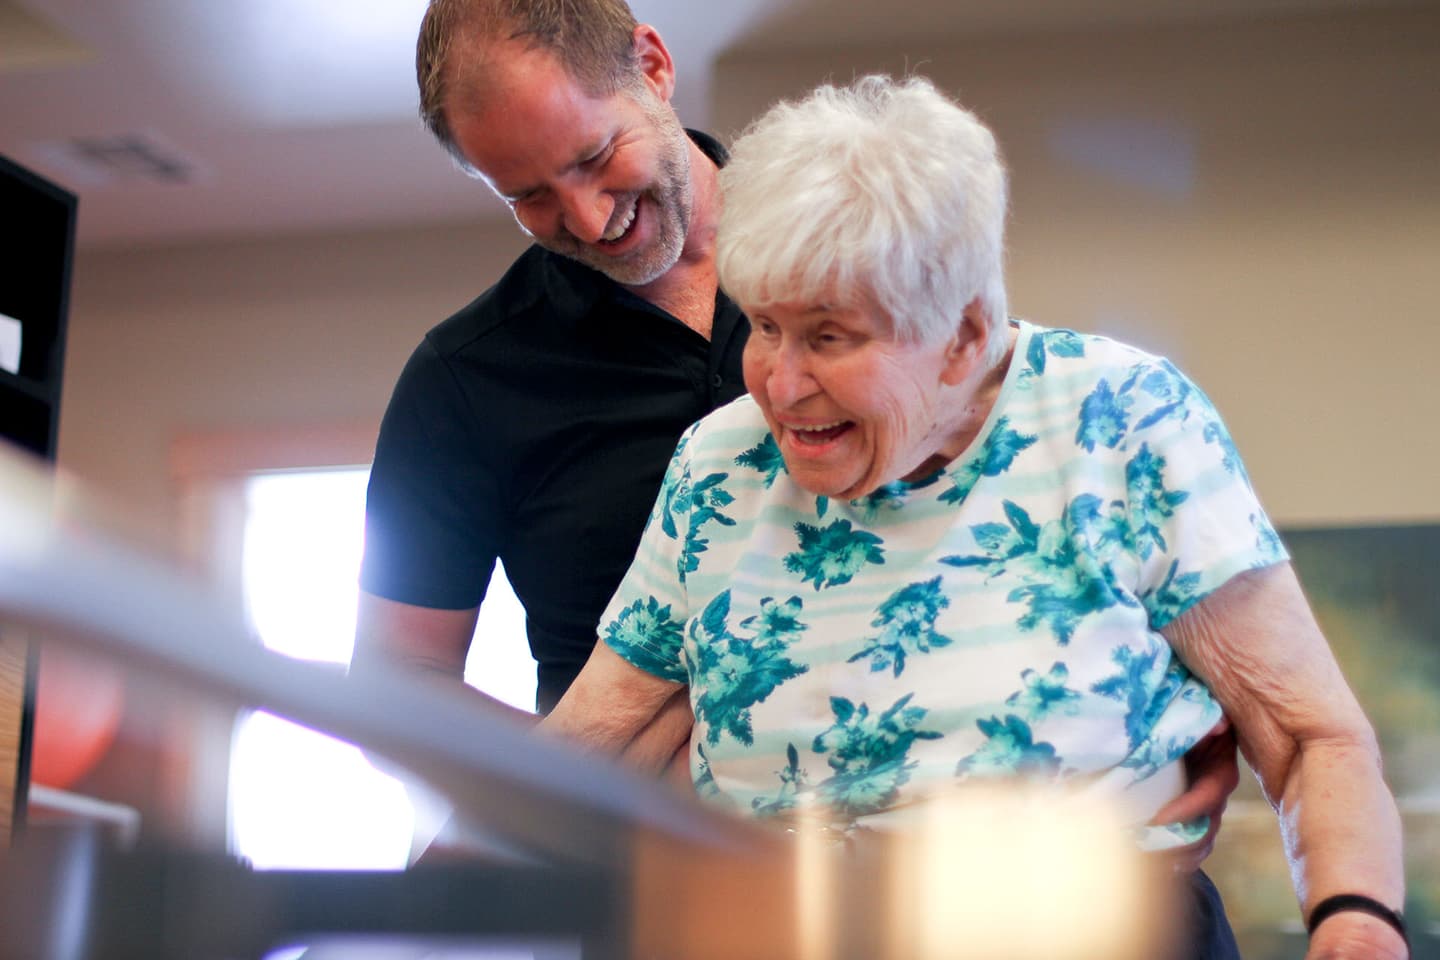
(535,426)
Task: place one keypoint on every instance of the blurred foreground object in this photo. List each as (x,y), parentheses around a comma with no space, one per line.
(626,866)
(63,576)
(1009,872)
(77,713)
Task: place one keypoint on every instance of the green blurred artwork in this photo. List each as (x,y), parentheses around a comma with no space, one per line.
(1376,593)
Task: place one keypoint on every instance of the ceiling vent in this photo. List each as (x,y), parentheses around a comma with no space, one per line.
(121,158)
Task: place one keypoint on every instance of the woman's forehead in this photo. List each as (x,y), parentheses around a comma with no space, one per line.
(830,304)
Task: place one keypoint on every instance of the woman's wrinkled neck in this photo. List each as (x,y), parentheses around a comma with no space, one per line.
(968,405)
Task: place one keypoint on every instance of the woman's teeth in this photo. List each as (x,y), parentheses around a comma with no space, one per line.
(820,433)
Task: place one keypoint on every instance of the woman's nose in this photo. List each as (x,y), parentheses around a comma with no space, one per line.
(789,381)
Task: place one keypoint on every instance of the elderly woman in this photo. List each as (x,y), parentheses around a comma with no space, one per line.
(935,544)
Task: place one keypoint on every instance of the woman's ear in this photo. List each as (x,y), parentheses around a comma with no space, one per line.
(966,349)
(653,59)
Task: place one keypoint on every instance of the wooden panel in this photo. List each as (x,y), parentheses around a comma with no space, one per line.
(12,698)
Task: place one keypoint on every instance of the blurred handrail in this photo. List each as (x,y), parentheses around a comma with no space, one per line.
(544,795)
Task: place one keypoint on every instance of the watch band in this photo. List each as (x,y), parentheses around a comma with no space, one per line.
(1356,901)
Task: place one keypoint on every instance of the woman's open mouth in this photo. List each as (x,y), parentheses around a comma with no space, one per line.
(820,434)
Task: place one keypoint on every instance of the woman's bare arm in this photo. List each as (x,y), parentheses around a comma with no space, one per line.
(1257,645)
(614,707)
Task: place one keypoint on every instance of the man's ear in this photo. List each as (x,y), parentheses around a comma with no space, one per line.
(967,347)
(653,59)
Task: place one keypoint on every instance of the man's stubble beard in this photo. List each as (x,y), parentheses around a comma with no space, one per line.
(669,200)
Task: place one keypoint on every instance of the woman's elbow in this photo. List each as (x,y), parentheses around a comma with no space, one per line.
(1311,756)
(1357,744)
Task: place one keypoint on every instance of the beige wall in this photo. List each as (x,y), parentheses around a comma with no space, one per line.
(298,332)
(1293,274)
(1287,263)
(201,359)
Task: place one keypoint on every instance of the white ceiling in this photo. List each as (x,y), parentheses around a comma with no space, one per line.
(287,115)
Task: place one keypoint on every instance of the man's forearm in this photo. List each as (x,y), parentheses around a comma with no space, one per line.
(500,706)
(414,665)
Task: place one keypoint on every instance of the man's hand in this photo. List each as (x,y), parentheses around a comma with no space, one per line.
(1212,769)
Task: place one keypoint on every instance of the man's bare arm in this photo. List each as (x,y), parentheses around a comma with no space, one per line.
(390,635)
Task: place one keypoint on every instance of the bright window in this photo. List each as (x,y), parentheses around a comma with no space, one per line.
(299,799)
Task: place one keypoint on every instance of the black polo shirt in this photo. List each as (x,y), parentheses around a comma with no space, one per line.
(535,426)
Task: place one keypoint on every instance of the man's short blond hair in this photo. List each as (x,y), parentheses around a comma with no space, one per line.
(592,39)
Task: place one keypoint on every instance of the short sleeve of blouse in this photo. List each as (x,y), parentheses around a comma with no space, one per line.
(1193,518)
(644,621)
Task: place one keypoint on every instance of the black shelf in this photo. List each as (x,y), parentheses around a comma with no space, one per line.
(36,251)
(37,248)
(35,389)
(27,421)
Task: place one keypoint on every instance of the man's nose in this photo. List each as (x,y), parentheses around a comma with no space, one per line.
(585,213)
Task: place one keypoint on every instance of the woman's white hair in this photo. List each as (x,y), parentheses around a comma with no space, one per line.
(884,193)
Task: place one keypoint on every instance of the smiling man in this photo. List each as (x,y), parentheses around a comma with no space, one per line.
(534,425)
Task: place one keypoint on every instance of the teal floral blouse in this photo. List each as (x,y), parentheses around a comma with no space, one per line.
(998,619)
